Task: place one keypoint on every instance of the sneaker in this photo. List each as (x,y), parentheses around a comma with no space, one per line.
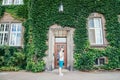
(61,74)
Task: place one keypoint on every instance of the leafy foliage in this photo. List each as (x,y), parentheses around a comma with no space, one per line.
(10,57)
(35,67)
(41,14)
(1,10)
(10,68)
(19,12)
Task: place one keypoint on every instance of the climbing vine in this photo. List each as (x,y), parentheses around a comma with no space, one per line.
(75,15)
(40,14)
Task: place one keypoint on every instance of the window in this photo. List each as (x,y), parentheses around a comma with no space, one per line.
(7,2)
(14,2)
(17,2)
(4,31)
(60,40)
(101,61)
(95,31)
(11,34)
(119,18)
(15,34)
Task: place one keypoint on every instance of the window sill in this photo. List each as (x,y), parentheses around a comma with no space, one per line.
(12,4)
(99,46)
(98,65)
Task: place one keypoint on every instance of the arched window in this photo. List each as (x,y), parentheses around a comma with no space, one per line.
(96,30)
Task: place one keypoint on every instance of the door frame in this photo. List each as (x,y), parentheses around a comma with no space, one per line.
(49,60)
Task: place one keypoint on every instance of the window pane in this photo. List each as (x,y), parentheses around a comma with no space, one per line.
(102,61)
(60,39)
(18,39)
(7,2)
(4,2)
(119,18)
(99,37)
(92,35)
(13,27)
(4,33)
(10,1)
(91,23)
(2,27)
(20,1)
(16,34)
(96,61)
(6,39)
(1,38)
(7,27)
(97,22)
(19,28)
(13,39)
(17,2)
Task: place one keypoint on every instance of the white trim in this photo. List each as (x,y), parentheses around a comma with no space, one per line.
(60,40)
(10,34)
(98,61)
(12,2)
(14,34)
(97,27)
(3,33)
(18,2)
(7,2)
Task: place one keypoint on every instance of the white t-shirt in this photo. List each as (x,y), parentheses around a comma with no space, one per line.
(61,56)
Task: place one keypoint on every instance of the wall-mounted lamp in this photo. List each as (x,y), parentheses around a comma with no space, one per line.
(61,7)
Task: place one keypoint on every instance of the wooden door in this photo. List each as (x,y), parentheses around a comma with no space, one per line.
(57,48)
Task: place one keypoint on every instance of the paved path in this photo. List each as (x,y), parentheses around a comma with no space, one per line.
(75,75)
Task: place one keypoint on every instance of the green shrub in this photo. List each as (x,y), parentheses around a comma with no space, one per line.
(9,68)
(9,56)
(44,13)
(84,61)
(35,66)
(113,55)
(18,58)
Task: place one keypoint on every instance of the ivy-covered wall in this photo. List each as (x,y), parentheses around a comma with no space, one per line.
(17,11)
(75,15)
(40,14)
(13,58)
(1,11)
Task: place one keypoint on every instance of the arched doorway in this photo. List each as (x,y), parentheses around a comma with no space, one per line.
(60,37)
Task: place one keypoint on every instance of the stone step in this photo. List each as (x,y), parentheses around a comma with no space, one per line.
(63,70)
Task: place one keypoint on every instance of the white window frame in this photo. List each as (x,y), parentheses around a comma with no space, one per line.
(16,32)
(6,40)
(7,2)
(98,61)
(18,2)
(4,32)
(11,2)
(58,40)
(96,28)
(119,18)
